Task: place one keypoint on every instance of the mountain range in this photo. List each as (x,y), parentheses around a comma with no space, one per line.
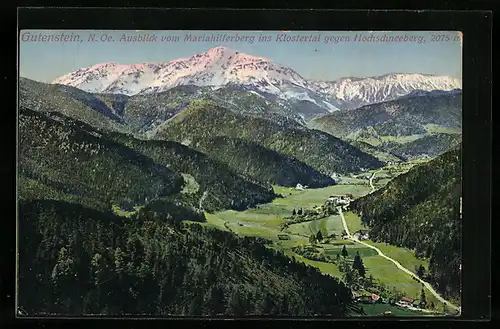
(221,66)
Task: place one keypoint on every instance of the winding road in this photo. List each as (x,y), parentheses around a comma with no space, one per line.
(398,265)
(371,181)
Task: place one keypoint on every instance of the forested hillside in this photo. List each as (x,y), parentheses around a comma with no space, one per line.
(262,164)
(431,146)
(212,184)
(74,260)
(412,212)
(66,159)
(75,103)
(323,152)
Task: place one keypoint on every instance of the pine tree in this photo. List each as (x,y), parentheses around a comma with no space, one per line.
(362,270)
(235,304)
(266,304)
(299,212)
(284,305)
(420,271)
(294,212)
(358,265)
(319,236)
(423,299)
(344,252)
(213,302)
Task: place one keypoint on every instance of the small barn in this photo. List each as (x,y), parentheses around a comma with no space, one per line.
(376,298)
(283,237)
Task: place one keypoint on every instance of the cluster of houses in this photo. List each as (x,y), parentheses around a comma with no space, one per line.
(370,298)
(362,235)
(366,298)
(340,200)
(407,302)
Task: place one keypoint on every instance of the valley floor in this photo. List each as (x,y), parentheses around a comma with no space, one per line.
(392,267)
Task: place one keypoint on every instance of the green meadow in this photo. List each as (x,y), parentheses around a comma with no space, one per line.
(265,221)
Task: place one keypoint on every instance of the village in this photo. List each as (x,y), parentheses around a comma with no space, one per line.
(360,294)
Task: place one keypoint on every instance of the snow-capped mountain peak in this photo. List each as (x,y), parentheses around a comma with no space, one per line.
(221,66)
(356,92)
(215,67)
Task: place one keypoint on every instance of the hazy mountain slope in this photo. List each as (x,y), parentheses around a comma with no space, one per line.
(321,151)
(72,102)
(71,158)
(144,112)
(404,116)
(431,145)
(381,153)
(412,213)
(77,261)
(260,163)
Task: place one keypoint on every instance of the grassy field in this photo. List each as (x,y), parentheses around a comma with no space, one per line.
(379,309)
(310,197)
(325,268)
(396,139)
(433,129)
(401,139)
(387,273)
(363,251)
(404,256)
(353,222)
(264,221)
(123,213)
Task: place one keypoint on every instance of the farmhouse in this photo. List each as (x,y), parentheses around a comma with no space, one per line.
(365,299)
(368,298)
(376,298)
(339,199)
(362,235)
(299,187)
(406,301)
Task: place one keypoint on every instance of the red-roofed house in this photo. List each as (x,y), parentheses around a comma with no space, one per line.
(406,301)
(376,298)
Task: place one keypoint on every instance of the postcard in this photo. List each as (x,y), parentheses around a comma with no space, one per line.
(234,174)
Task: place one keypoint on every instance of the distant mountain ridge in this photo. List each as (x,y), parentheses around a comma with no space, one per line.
(410,113)
(353,93)
(221,66)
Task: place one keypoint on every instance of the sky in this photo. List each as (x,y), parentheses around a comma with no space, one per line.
(44,54)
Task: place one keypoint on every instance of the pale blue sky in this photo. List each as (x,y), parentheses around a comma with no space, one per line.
(45,61)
